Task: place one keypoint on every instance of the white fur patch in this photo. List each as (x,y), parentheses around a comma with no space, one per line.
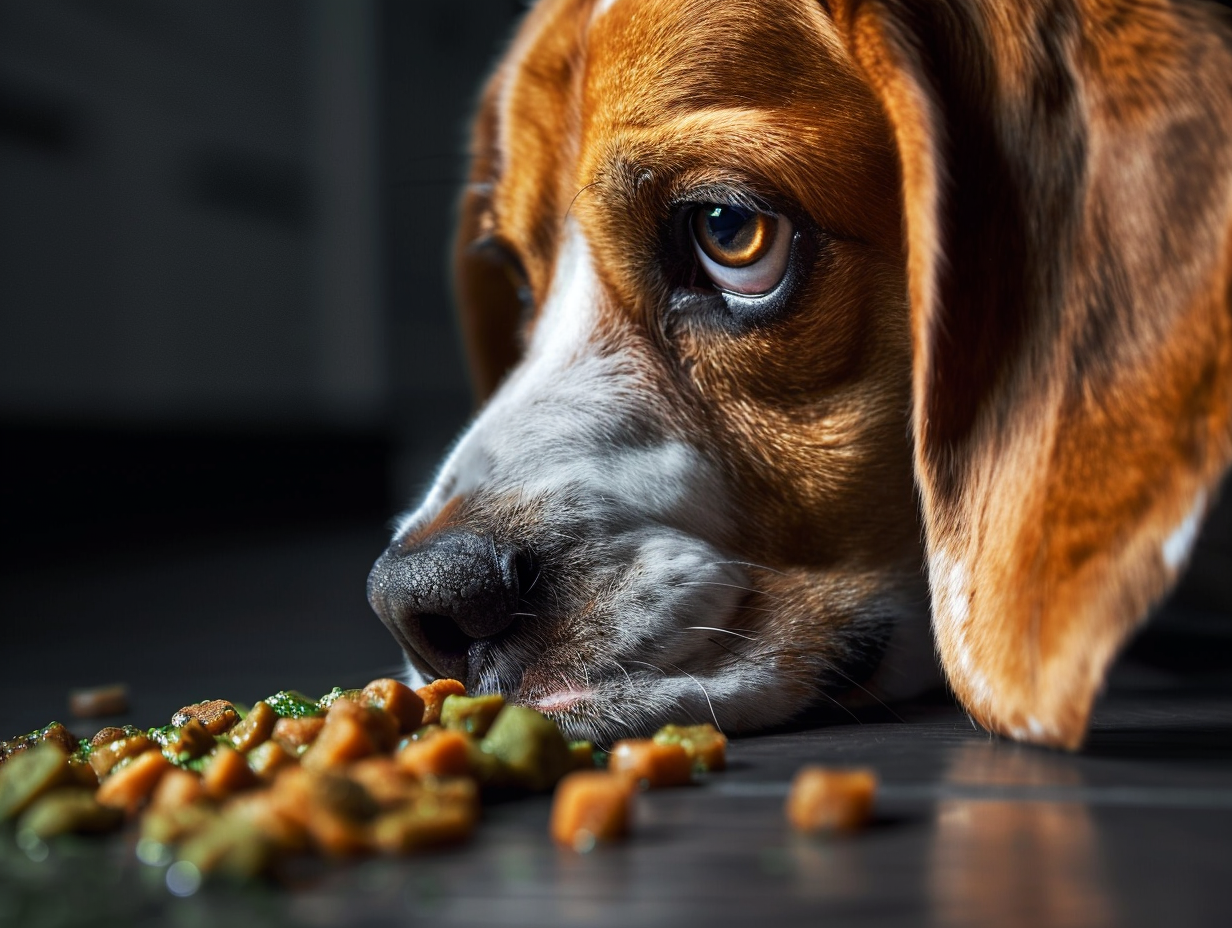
(555,424)
(1178,545)
(601,7)
(950,582)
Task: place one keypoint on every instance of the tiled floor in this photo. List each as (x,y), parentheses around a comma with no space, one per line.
(1134,830)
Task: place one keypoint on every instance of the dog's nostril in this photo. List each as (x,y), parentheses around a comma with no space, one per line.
(449,591)
(444,637)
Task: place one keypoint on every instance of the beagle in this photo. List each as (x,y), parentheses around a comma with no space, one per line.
(803,325)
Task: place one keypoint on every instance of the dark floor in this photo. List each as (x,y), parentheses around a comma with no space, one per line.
(1134,830)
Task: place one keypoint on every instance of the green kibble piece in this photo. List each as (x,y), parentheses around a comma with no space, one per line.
(26,776)
(292,704)
(168,826)
(530,746)
(472,715)
(68,810)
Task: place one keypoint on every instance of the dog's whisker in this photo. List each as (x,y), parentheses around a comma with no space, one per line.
(594,183)
(538,574)
(625,672)
(749,564)
(846,709)
(835,668)
(658,670)
(713,715)
(735,654)
(711,628)
(732,586)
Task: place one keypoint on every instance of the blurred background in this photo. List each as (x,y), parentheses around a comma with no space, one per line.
(224,296)
(227,350)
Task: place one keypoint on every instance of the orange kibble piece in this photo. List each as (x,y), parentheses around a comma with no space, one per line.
(176,789)
(255,729)
(651,765)
(433,696)
(384,781)
(293,734)
(381,727)
(261,809)
(98,701)
(226,772)
(344,738)
(443,753)
(109,753)
(590,806)
(822,799)
(127,786)
(705,744)
(335,835)
(398,699)
(333,809)
(265,759)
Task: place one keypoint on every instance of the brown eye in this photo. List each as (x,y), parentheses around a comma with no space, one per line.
(733,236)
(742,250)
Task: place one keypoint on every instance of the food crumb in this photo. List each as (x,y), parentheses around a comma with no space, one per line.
(829,800)
(98,701)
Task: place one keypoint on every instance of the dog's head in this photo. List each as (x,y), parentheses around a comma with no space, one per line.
(773,308)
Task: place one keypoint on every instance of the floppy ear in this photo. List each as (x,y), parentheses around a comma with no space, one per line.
(485,284)
(1067,194)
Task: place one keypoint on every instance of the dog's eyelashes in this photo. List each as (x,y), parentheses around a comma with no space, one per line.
(743,251)
(498,253)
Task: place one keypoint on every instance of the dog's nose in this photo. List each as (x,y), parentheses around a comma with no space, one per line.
(442,595)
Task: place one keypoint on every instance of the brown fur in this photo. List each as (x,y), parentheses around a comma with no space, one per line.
(1019,307)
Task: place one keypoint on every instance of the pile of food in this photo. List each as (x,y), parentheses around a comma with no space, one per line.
(385,770)
(379,770)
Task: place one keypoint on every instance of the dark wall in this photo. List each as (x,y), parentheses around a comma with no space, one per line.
(436,56)
(224,230)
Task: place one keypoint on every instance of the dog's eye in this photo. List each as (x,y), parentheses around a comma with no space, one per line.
(741,250)
(506,259)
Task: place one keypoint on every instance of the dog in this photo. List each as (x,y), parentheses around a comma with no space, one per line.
(805,325)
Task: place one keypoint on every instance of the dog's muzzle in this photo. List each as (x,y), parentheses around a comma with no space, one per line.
(448,596)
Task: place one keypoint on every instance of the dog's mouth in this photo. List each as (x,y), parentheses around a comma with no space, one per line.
(602,637)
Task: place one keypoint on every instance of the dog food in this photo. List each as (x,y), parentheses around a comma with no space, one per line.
(705,745)
(825,800)
(355,772)
(651,764)
(98,701)
(379,770)
(590,806)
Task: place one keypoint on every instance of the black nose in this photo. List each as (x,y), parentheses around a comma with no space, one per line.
(442,595)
